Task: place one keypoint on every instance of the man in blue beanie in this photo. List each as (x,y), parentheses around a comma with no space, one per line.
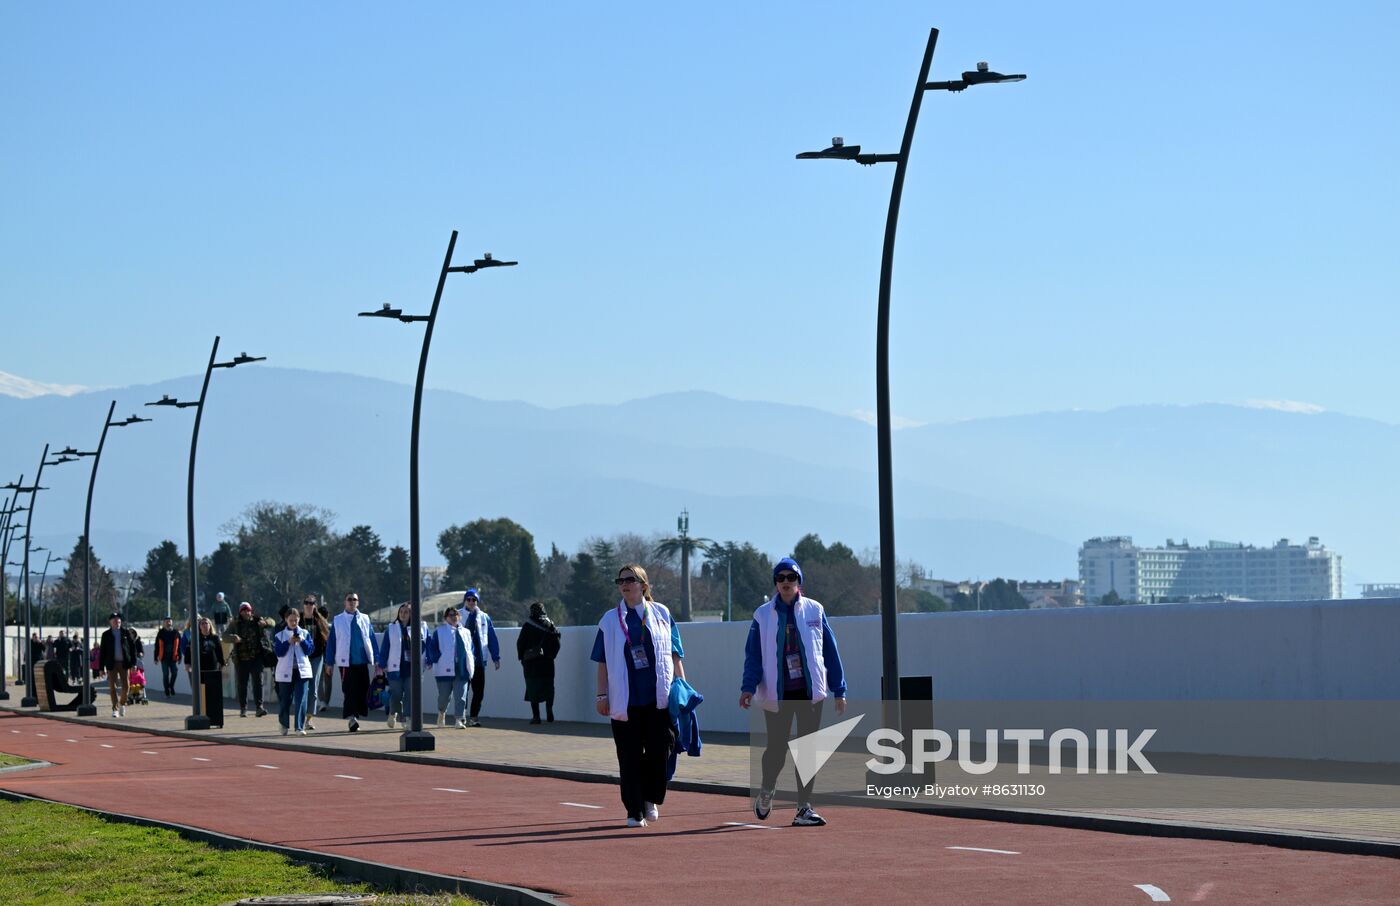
(791,666)
(483,633)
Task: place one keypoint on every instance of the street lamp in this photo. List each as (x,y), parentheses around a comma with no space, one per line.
(29,700)
(7,530)
(197,720)
(415,738)
(86,708)
(889,604)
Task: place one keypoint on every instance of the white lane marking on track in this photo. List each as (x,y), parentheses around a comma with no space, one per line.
(41,734)
(106,746)
(756,826)
(349,777)
(1157,894)
(446,789)
(14,731)
(144,752)
(980,849)
(580,805)
(197,758)
(1203,891)
(270,767)
(71,740)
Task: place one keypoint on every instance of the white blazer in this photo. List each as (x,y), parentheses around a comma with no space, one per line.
(296,657)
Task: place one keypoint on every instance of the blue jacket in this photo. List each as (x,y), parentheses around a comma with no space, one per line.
(681,705)
(492,647)
(753,661)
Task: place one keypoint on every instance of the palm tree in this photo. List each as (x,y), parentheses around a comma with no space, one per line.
(682,543)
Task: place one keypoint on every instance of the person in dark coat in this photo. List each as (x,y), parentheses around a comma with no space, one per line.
(119,649)
(537,646)
(211,671)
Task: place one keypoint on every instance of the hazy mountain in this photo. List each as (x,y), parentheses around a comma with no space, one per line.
(1007,496)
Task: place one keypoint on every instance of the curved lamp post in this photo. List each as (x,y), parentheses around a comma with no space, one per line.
(86,708)
(29,700)
(415,738)
(8,526)
(197,720)
(889,605)
(43,609)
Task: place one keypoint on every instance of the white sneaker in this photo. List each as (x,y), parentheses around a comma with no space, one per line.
(114,713)
(636,822)
(442,717)
(652,812)
(121,712)
(301,732)
(391,720)
(461,724)
(807,817)
(763,804)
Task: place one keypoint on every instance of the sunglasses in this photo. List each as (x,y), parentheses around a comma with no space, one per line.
(785,577)
(626,580)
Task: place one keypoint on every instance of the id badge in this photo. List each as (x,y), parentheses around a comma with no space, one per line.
(794,666)
(639,657)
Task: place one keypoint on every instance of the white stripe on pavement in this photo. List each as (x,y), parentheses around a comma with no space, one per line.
(757,826)
(106,746)
(143,752)
(197,758)
(349,777)
(580,805)
(446,789)
(270,767)
(979,849)
(71,740)
(41,734)
(1157,894)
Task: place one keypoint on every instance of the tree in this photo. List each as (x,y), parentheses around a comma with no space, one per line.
(682,544)
(166,557)
(590,591)
(555,572)
(398,583)
(277,545)
(527,571)
(481,549)
(68,596)
(222,571)
(1112,598)
(350,562)
(916,600)
(744,567)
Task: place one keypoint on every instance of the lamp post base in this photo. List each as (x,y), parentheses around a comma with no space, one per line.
(88,710)
(4,696)
(29,701)
(197,722)
(419,741)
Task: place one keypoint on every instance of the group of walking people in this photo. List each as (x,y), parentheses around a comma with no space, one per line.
(791,667)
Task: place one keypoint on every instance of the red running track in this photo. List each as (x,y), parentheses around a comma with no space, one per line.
(534,832)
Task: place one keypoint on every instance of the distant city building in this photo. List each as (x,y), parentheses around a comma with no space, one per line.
(1381,590)
(1060,593)
(1220,570)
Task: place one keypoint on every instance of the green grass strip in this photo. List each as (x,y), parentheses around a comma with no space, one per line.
(61,855)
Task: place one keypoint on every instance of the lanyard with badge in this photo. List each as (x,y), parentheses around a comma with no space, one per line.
(793,659)
(637,651)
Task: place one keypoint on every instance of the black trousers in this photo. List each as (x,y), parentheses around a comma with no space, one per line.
(643,743)
(354,685)
(168,671)
(242,670)
(808,716)
(478,686)
(211,683)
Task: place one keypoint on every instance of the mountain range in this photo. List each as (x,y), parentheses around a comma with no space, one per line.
(1012,496)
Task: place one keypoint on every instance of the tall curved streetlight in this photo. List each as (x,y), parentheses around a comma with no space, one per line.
(43,575)
(415,738)
(197,719)
(86,707)
(889,605)
(8,527)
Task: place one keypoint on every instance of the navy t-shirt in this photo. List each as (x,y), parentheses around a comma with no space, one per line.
(641,682)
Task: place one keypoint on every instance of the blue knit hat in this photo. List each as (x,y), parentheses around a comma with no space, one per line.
(785,564)
(471,593)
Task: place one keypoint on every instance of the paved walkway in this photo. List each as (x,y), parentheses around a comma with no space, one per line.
(564,836)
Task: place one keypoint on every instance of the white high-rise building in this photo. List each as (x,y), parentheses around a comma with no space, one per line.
(1178,571)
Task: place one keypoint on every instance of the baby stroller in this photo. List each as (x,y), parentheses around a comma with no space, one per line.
(136,686)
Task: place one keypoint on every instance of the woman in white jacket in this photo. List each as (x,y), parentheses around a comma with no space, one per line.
(293,648)
(450,656)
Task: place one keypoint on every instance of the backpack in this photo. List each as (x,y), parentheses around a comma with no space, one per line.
(378,695)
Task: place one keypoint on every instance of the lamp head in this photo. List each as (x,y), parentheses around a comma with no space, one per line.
(839,150)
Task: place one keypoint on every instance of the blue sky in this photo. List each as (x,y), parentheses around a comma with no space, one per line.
(1184,203)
